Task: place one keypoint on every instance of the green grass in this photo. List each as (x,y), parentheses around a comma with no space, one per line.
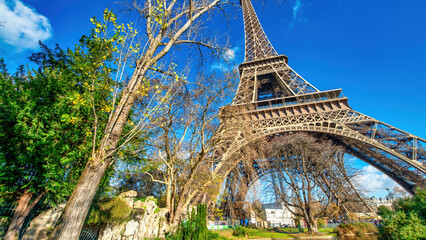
(272,235)
(328,231)
(268,233)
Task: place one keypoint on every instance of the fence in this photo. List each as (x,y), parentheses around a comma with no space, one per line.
(6,214)
(8,209)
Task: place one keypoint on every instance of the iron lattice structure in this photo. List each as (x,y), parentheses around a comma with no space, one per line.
(274,100)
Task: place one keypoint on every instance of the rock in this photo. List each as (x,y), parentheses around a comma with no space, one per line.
(129,194)
(112,232)
(106,234)
(42,225)
(131,228)
(129,197)
(138,204)
(148,221)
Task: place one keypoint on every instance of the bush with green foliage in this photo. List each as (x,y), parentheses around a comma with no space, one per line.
(243,232)
(358,228)
(415,204)
(384,211)
(408,221)
(195,227)
(110,210)
(320,223)
(402,225)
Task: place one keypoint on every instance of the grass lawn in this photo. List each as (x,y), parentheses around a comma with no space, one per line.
(272,233)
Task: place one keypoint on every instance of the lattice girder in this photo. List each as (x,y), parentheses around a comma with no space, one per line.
(257,44)
(289,82)
(395,151)
(273,99)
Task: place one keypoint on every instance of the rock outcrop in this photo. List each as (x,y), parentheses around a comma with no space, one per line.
(148,221)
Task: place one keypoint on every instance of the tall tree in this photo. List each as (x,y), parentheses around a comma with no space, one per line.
(53,116)
(184,138)
(166,24)
(300,162)
(44,142)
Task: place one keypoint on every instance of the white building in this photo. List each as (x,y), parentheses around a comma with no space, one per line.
(252,219)
(277,215)
(377,202)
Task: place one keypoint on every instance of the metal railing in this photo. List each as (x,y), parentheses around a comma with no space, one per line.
(8,209)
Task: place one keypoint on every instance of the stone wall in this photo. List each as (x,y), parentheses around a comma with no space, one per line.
(148,221)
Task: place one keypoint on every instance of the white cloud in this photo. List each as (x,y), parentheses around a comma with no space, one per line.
(230,54)
(374,181)
(220,66)
(296,8)
(22,26)
(228,61)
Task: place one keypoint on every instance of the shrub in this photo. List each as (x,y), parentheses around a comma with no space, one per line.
(408,221)
(356,228)
(401,225)
(243,232)
(360,233)
(320,223)
(384,211)
(195,228)
(109,210)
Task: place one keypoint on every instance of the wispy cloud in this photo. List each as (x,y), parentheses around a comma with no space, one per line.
(296,16)
(220,66)
(228,61)
(374,182)
(296,8)
(230,54)
(21,26)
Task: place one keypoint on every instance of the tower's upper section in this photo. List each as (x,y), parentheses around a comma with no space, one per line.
(257,44)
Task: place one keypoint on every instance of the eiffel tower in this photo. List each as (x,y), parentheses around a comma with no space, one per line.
(277,100)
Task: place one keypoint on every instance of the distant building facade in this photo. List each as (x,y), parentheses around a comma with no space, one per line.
(381,201)
(277,215)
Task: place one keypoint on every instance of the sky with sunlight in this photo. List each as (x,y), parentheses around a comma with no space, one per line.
(374,50)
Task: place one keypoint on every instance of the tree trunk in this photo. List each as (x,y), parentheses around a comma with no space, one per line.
(21,212)
(18,216)
(72,219)
(312,225)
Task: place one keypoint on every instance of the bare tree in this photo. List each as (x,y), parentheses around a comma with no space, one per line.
(181,146)
(398,192)
(167,23)
(299,162)
(309,174)
(338,180)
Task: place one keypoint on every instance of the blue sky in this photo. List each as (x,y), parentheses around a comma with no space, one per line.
(374,50)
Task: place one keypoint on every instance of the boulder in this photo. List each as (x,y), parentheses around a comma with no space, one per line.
(129,197)
(148,221)
(42,225)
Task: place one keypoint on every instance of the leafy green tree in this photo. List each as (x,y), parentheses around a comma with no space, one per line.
(166,25)
(35,144)
(408,221)
(47,123)
(384,211)
(403,225)
(416,204)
